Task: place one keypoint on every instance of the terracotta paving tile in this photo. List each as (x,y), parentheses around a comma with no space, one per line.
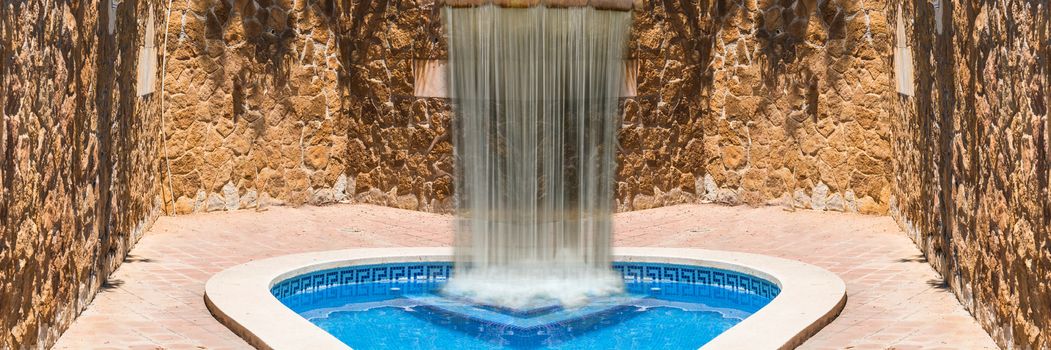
(156,301)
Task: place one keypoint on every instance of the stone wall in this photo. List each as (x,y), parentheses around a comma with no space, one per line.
(304,102)
(755,102)
(738,102)
(78,159)
(972,159)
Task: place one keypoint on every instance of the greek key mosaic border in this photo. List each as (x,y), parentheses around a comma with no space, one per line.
(440,271)
(656,272)
(394,272)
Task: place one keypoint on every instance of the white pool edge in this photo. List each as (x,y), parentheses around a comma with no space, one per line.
(240,298)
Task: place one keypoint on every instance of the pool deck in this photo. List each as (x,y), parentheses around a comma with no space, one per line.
(155,299)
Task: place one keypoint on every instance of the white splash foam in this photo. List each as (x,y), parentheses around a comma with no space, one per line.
(530,286)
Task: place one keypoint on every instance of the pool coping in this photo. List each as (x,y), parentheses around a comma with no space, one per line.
(240,298)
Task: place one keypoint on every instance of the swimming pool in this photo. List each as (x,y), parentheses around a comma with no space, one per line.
(325,290)
(398,306)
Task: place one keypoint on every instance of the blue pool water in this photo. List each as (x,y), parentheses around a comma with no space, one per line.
(397,306)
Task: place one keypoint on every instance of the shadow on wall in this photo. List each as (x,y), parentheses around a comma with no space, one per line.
(266,25)
(934,130)
(777,104)
(784,28)
(661,154)
(401,143)
(297,89)
(78,160)
(249,106)
(312,102)
(785,24)
(973,157)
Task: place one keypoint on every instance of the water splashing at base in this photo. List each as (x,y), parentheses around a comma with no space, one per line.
(535,92)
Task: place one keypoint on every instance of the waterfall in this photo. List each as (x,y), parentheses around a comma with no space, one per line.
(535,94)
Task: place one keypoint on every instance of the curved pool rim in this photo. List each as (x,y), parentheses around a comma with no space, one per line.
(240,297)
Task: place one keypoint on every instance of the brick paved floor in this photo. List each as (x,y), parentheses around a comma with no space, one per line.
(155,300)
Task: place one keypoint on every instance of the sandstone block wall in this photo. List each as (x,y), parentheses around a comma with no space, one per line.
(304,102)
(972,158)
(79,176)
(768,101)
(738,102)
